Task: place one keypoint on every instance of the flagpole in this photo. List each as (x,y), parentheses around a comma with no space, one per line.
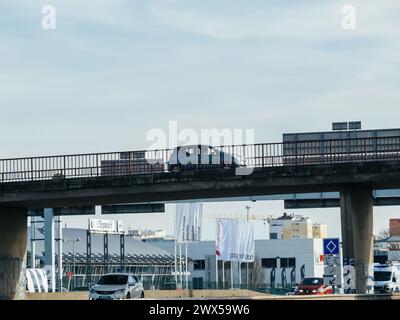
(180,266)
(216,271)
(186,266)
(240,275)
(176,266)
(216,255)
(223,274)
(231,274)
(247,264)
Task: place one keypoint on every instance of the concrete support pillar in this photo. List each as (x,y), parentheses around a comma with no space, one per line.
(13,250)
(346,224)
(359,202)
(49,246)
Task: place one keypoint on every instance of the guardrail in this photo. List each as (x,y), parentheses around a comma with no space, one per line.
(128,163)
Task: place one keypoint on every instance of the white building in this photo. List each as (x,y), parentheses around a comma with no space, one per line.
(282,262)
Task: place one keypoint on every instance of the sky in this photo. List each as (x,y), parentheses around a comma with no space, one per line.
(112,70)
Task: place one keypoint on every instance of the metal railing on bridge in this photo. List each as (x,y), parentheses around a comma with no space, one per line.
(259,155)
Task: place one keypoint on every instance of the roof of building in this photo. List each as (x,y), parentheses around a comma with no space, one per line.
(389,239)
(285,217)
(136,250)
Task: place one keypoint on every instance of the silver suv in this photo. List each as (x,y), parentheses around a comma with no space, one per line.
(115,286)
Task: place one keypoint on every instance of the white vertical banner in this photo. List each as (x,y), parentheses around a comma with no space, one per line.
(188,219)
(235,240)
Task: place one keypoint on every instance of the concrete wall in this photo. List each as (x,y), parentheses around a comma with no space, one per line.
(79,295)
(150,294)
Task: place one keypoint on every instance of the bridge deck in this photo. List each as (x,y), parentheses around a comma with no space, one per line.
(165,186)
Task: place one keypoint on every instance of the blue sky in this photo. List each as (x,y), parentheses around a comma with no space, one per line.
(114,69)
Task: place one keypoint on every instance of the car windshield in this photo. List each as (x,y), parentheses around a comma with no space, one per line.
(382,275)
(312,281)
(113,279)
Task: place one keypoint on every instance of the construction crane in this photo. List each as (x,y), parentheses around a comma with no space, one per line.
(242,216)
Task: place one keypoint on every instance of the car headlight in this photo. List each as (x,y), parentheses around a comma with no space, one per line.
(300,290)
(314,291)
(121,291)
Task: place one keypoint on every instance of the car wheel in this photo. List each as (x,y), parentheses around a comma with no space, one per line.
(128,296)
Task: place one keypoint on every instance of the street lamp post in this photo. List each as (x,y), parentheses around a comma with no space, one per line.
(73,256)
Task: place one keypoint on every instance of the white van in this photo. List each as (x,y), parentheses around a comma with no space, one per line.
(387,278)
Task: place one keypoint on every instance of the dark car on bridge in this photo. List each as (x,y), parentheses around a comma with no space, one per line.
(201,157)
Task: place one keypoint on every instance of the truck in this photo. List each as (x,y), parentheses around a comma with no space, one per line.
(387,277)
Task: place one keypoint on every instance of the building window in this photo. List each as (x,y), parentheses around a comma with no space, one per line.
(288,262)
(273,235)
(198,265)
(269,263)
(198,283)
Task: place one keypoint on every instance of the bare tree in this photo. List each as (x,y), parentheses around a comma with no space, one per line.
(257,275)
(383,234)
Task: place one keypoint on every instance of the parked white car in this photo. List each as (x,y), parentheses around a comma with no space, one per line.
(115,286)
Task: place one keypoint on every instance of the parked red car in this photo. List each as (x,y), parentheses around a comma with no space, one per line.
(313,286)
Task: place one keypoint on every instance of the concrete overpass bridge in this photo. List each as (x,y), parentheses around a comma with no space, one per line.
(353,167)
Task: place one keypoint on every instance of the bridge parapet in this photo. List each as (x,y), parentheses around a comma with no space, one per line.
(263,155)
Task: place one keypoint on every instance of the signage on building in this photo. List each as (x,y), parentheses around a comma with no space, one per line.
(105,226)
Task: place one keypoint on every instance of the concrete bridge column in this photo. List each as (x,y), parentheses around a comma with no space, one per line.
(346,224)
(13,250)
(49,246)
(358,202)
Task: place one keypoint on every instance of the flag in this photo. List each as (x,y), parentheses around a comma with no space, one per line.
(188,220)
(235,240)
